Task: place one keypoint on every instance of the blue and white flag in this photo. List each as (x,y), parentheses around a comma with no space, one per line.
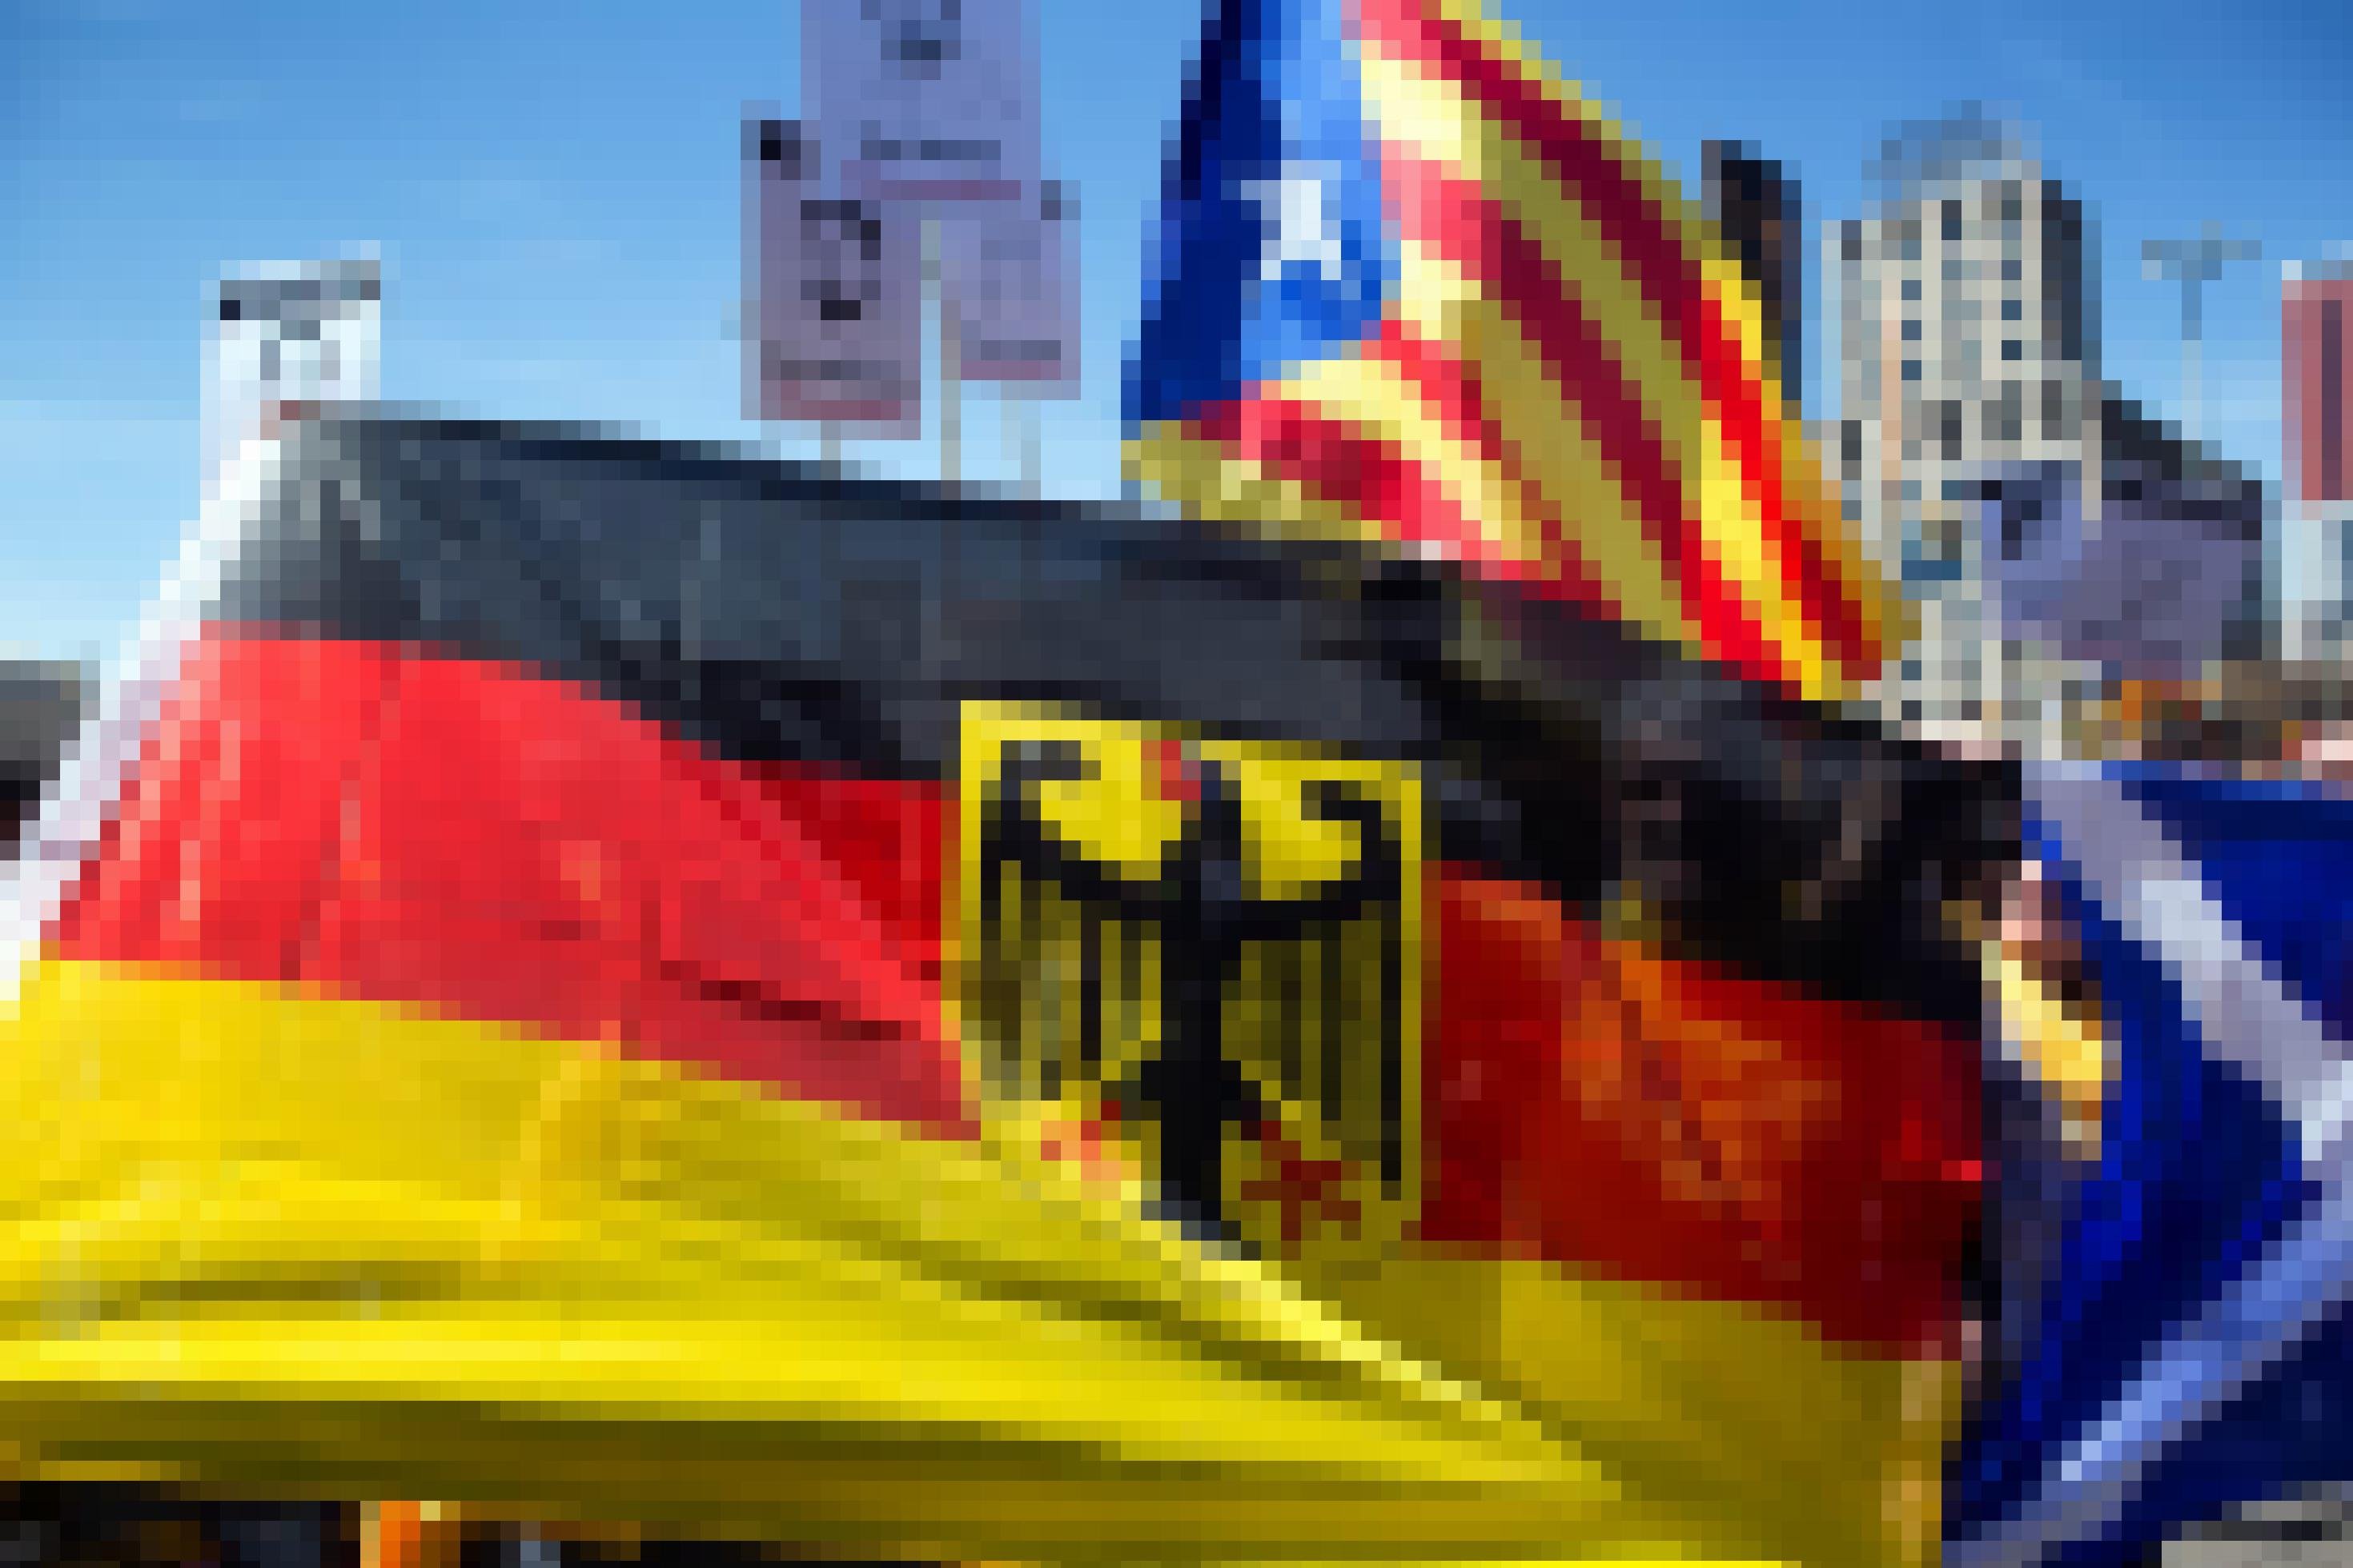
(2192,1349)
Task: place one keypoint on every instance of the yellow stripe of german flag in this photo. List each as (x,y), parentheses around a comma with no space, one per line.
(265,1240)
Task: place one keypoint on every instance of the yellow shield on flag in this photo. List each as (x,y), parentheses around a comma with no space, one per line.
(1206,954)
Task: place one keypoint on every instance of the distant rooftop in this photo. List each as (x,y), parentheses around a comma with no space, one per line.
(2337,266)
(1970,144)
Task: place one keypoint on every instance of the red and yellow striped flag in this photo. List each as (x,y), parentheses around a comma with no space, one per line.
(1413,286)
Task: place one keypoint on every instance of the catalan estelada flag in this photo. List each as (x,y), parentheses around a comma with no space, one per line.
(632,982)
(1412,287)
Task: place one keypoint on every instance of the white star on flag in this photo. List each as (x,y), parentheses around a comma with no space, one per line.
(1299,225)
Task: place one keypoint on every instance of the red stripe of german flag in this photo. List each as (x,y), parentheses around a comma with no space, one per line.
(453,835)
(469,840)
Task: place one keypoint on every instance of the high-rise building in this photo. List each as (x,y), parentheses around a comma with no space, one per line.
(2317,344)
(1969,346)
(1754,202)
(286,337)
(2315,587)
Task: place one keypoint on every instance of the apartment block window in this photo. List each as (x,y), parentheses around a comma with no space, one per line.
(1949,428)
(1911,331)
(2012,270)
(1934,553)
(1911,370)
(2005,416)
(1851,441)
(2013,309)
(2011,349)
(1911,288)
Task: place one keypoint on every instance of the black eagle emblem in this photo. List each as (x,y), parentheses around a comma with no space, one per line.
(1204,919)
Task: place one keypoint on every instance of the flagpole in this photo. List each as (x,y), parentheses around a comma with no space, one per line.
(1021,434)
(951,370)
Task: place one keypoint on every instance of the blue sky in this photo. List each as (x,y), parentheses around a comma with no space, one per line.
(555,193)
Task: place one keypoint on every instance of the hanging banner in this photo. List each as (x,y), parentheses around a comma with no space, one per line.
(1013,276)
(836,294)
(932,101)
(2152,586)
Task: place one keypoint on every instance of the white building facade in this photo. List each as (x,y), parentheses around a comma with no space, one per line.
(1968,348)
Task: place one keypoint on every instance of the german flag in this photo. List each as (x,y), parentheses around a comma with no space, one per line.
(627,980)
(1412,286)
